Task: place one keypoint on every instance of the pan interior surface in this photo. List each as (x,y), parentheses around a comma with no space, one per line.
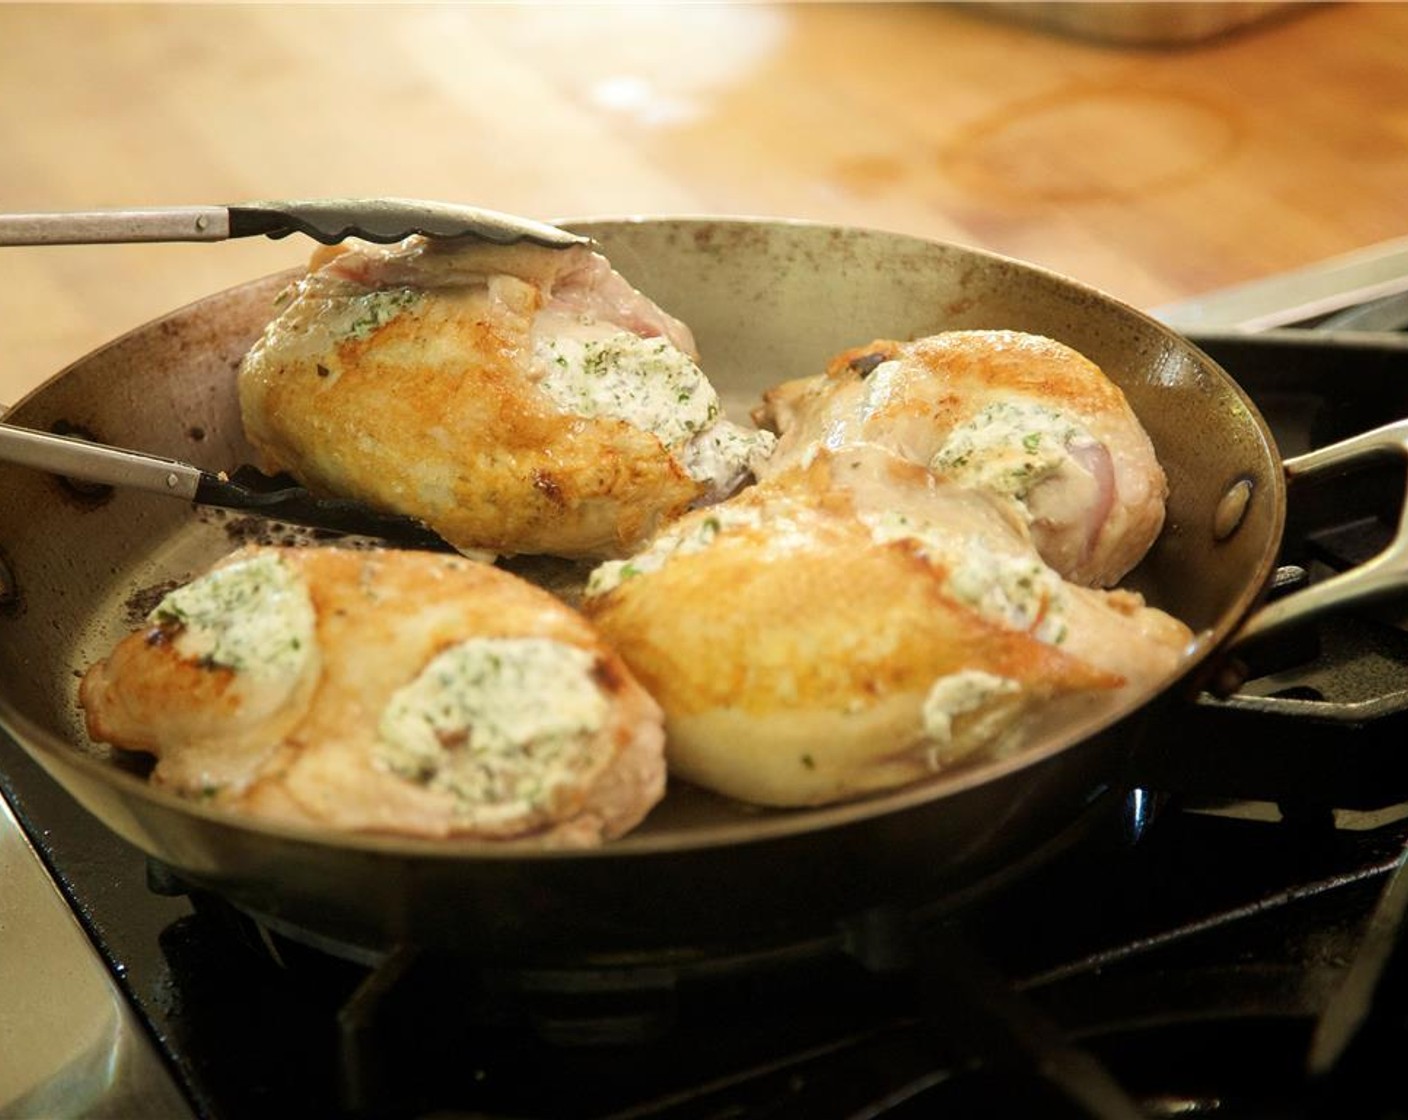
(767,301)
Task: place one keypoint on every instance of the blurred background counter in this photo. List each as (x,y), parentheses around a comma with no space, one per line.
(1154,151)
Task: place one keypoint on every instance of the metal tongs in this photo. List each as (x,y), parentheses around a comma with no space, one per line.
(72,458)
(329,220)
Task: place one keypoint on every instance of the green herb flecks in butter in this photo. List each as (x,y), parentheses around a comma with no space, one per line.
(1013,590)
(499,723)
(1009,447)
(693,534)
(370,311)
(653,385)
(254,615)
(645,381)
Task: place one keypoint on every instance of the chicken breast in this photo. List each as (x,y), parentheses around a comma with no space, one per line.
(384,691)
(1022,416)
(516,399)
(878,624)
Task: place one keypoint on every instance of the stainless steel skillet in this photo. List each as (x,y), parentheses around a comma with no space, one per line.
(767,300)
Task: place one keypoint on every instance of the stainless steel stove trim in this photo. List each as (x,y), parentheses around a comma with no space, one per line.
(1297,296)
(72,1045)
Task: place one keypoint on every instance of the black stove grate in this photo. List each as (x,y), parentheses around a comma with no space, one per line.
(1184,974)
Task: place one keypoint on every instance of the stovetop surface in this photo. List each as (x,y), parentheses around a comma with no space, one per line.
(1196,953)
(1190,968)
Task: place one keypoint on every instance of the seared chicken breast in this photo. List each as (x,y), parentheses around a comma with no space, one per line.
(516,399)
(1022,416)
(383,691)
(856,623)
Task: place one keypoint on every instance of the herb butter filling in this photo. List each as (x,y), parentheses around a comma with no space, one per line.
(1009,447)
(963,693)
(645,381)
(1014,591)
(362,315)
(253,615)
(682,538)
(650,383)
(474,724)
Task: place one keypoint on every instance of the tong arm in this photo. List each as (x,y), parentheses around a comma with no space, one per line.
(71,457)
(383,220)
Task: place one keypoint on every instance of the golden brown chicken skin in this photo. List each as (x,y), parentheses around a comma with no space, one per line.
(855,624)
(516,399)
(384,691)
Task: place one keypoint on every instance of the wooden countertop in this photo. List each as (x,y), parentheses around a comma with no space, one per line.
(1154,174)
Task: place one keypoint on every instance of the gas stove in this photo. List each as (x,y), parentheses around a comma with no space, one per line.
(1217,936)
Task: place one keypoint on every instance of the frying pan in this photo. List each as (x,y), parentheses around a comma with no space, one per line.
(767,300)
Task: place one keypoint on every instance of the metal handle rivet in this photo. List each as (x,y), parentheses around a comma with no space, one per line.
(202,223)
(1227,518)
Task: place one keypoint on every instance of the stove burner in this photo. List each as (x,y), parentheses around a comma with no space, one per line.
(1185,973)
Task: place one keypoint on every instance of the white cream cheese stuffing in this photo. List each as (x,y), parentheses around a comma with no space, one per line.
(683,538)
(252,616)
(1013,590)
(1009,447)
(961,693)
(474,723)
(651,384)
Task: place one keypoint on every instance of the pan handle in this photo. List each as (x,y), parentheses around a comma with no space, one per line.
(1378,578)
